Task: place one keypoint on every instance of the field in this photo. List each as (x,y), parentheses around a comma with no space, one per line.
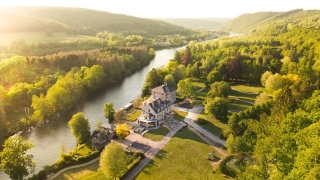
(134,116)
(212,125)
(82,173)
(37,37)
(179,115)
(157,135)
(184,158)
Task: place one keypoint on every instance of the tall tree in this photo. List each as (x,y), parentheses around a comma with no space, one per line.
(185,88)
(187,57)
(80,128)
(217,108)
(113,161)
(109,112)
(13,159)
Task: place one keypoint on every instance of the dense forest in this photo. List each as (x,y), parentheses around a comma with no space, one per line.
(248,23)
(196,23)
(278,138)
(82,21)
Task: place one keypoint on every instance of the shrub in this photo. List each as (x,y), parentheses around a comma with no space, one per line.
(225,169)
(201,121)
(42,175)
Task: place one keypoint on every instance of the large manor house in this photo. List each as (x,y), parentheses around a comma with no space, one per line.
(158,108)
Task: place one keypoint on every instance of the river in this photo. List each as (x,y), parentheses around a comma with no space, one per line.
(49,138)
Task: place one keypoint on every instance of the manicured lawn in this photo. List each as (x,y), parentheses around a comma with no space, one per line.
(199,86)
(179,115)
(244,96)
(83,149)
(80,173)
(234,104)
(182,158)
(37,37)
(212,125)
(134,116)
(158,134)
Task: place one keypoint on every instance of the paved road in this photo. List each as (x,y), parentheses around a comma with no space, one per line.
(155,148)
(192,116)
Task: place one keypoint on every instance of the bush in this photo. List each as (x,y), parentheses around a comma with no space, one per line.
(139,154)
(201,121)
(225,169)
(42,175)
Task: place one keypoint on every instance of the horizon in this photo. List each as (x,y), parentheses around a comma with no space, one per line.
(172,9)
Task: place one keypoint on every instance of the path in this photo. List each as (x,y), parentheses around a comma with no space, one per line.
(242,100)
(192,116)
(155,148)
(72,167)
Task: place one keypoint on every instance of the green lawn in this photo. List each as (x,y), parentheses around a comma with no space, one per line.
(212,125)
(157,135)
(83,149)
(237,105)
(179,115)
(134,116)
(81,173)
(37,37)
(182,158)
(199,84)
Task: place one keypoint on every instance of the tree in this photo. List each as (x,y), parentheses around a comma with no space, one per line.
(109,112)
(80,128)
(217,108)
(113,161)
(119,115)
(261,98)
(219,89)
(274,82)
(214,76)
(185,88)
(122,130)
(187,57)
(169,80)
(13,159)
(265,77)
(137,101)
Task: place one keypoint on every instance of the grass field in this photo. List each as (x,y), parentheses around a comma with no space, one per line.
(179,115)
(212,125)
(157,135)
(134,116)
(199,86)
(182,158)
(37,37)
(81,173)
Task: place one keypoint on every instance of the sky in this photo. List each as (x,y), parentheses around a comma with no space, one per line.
(175,8)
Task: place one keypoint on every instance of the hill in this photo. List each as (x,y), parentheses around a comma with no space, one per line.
(81,21)
(248,23)
(193,23)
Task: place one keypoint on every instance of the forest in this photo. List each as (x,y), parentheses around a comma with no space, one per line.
(277,138)
(82,21)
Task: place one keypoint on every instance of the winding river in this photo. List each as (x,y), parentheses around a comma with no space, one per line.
(49,138)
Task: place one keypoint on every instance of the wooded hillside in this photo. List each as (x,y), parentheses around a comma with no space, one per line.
(192,23)
(248,23)
(81,21)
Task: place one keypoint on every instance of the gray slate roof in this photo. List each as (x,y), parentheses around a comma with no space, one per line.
(163,89)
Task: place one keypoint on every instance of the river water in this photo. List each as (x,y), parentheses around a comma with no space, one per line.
(49,138)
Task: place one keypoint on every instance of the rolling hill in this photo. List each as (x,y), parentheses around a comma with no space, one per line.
(193,23)
(81,21)
(248,23)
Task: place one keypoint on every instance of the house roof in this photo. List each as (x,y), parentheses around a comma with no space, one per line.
(163,89)
(158,105)
(108,126)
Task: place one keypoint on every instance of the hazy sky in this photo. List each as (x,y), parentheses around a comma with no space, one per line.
(175,8)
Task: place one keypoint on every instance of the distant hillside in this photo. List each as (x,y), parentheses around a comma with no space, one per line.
(247,23)
(81,21)
(193,23)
